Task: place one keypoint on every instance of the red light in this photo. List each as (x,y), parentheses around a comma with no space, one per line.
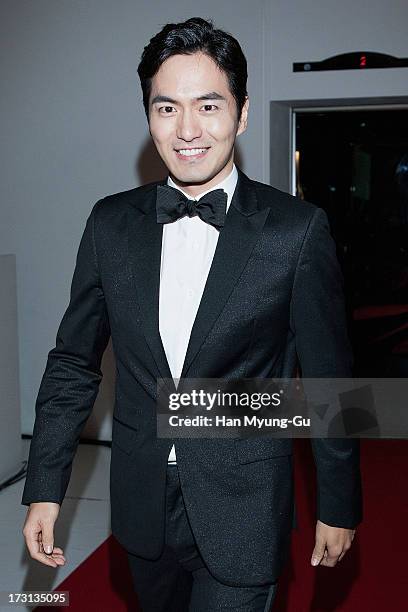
(363,61)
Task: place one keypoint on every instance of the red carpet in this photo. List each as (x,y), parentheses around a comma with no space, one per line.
(371,578)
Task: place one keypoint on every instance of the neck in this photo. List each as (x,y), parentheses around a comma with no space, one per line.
(195,189)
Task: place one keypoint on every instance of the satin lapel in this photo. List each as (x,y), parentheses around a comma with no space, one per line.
(144,249)
(244,223)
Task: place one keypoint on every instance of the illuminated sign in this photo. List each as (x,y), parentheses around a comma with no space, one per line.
(357,60)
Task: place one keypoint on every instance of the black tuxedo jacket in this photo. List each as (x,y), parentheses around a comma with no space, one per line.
(273,299)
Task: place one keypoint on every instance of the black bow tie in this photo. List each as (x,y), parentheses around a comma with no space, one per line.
(171,204)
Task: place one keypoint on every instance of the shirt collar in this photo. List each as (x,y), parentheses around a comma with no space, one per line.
(228,185)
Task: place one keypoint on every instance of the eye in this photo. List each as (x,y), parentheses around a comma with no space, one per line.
(167,110)
(209,107)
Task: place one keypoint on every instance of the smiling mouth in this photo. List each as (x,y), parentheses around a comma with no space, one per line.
(195,153)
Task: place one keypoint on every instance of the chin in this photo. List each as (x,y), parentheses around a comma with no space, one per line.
(192,176)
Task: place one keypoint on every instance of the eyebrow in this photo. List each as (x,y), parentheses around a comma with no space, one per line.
(212,95)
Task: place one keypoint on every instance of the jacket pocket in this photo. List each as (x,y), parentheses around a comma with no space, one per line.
(256,449)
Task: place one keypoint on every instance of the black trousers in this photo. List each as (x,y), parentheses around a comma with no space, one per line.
(179,580)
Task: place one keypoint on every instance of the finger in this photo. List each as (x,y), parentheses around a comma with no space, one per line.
(48,536)
(324,560)
(344,551)
(40,556)
(46,560)
(57,554)
(51,560)
(329,562)
(59,560)
(34,548)
(318,552)
(32,542)
(333,554)
(56,551)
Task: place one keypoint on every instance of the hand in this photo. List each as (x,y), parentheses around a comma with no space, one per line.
(331,545)
(38,532)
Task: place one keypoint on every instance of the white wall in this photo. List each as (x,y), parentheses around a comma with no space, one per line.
(10,425)
(76,129)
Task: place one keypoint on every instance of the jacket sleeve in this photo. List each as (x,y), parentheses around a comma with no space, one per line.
(70,383)
(318,321)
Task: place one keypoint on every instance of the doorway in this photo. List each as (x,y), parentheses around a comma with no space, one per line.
(352,161)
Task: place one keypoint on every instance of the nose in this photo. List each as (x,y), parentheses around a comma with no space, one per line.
(188,126)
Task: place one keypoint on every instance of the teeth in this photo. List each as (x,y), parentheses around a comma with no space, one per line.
(189,152)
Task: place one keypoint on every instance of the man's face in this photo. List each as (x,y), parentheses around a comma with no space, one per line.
(191,107)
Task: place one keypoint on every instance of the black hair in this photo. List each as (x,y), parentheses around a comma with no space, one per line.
(192,36)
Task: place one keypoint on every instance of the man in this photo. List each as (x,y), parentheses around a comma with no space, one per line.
(241,282)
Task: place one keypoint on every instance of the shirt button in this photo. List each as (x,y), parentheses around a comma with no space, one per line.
(190,293)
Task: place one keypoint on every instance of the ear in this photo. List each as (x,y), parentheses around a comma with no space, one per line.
(243,122)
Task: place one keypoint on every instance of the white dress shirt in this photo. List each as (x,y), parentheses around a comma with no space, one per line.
(188,247)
